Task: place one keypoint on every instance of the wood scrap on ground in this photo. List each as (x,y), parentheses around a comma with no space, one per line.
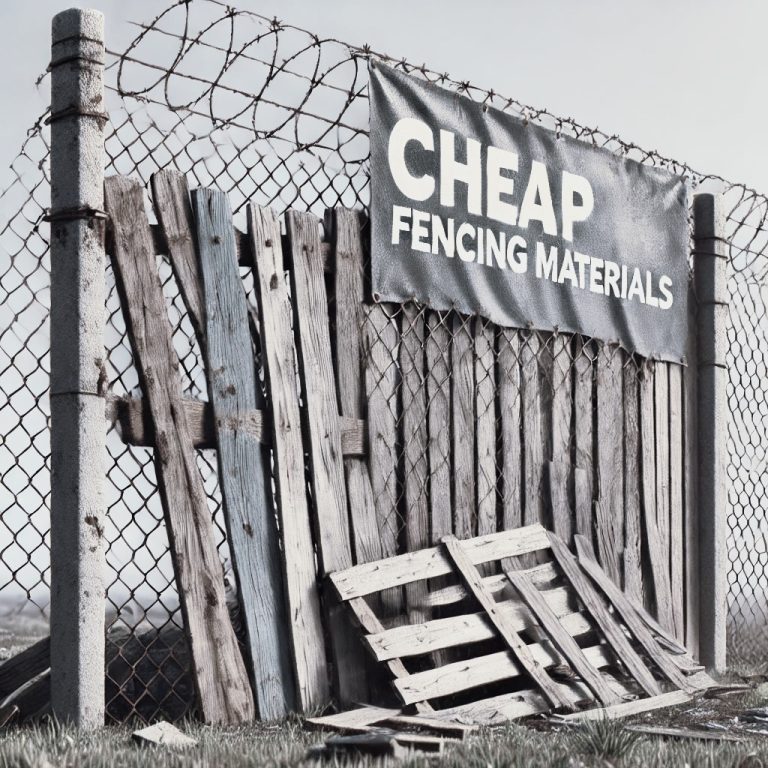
(164,735)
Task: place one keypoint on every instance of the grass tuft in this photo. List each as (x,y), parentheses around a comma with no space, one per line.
(607,739)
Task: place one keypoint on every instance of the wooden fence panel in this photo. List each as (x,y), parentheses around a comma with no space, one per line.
(463,407)
(485,427)
(583,431)
(224,695)
(676,508)
(322,430)
(560,437)
(510,413)
(298,551)
(633,569)
(244,469)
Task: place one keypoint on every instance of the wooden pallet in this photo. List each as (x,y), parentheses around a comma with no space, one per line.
(500,642)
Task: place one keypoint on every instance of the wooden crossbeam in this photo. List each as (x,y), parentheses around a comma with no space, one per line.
(473,581)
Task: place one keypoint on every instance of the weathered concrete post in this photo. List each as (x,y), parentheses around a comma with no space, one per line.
(710,270)
(77,354)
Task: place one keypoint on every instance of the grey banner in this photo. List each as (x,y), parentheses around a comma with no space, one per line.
(477,211)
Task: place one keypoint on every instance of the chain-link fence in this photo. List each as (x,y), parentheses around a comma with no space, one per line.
(272,113)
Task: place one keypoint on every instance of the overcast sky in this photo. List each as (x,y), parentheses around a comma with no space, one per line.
(684,77)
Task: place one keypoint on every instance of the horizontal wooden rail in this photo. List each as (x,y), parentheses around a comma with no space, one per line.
(242,244)
(135,425)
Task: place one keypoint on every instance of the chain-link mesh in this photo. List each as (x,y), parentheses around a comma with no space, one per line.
(272,113)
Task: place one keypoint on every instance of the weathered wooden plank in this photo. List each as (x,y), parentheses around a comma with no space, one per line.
(533,438)
(609,510)
(483,670)
(560,638)
(627,708)
(277,345)
(633,622)
(659,567)
(353,718)
(365,579)
(24,666)
(453,631)
(382,339)
(473,582)
(614,635)
(170,195)
(509,413)
(633,569)
(582,428)
(217,665)
(244,464)
(539,574)
(560,437)
(485,427)
(134,422)
(371,624)
(676,509)
(463,423)
(415,446)
(661,401)
(438,373)
(323,441)
(349,316)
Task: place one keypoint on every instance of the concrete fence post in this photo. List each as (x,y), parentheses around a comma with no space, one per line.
(77,360)
(710,276)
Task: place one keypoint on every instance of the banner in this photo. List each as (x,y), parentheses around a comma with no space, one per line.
(477,211)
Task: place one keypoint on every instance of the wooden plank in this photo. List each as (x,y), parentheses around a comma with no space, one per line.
(244,464)
(633,622)
(463,424)
(371,624)
(560,438)
(170,195)
(365,579)
(24,666)
(381,341)
(683,733)
(583,424)
(539,574)
(609,510)
(438,372)
(676,509)
(415,446)
(473,582)
(560,638)
(510,416)
(323,442)
(484,670)
(628,708)
(633,570)
(659,572)
(305,628)
(353,718)
(662,544)
(533,438)
(224,695)
(485,427)
(614,635)
(134,423)
(453,631)
(349,316)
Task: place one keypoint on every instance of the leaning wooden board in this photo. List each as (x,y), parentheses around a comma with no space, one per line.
(553,618)
(221,681)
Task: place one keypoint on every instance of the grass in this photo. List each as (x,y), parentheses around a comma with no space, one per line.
(284,744)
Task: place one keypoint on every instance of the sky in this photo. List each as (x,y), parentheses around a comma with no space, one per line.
(683,77)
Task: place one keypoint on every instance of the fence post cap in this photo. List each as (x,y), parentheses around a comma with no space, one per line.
(77,22)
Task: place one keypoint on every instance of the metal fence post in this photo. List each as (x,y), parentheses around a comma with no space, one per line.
(710,275)
(77,355)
